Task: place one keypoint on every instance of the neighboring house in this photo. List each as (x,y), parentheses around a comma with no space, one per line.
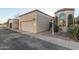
(34,21)
(10,21)
(64,18)
(13,23)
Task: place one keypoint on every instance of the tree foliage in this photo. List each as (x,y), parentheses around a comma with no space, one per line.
(73,31)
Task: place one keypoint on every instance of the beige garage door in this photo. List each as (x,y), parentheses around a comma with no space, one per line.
(27,26)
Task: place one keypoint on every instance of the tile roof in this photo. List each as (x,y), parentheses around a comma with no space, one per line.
(65,9)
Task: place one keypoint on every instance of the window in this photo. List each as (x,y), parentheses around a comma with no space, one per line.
(62,17)
(70,19)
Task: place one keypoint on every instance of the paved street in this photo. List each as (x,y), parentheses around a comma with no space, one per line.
(10,40)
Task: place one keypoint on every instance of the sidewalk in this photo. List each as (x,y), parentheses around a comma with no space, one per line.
(65,43)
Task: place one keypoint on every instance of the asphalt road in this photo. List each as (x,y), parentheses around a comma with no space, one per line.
(10,40)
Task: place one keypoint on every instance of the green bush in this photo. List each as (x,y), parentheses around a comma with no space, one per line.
(56,28)
(73,31)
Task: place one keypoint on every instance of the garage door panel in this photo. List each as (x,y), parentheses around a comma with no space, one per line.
(27,26)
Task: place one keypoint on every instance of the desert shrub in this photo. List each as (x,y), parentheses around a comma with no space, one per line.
(73,31)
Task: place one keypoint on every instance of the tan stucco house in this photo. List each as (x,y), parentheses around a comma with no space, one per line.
(13,24)
(34,21)
(64,18)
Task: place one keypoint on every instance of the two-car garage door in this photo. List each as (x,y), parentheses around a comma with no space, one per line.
(27,26)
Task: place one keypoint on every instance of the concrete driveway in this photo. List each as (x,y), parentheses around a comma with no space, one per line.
(11,40)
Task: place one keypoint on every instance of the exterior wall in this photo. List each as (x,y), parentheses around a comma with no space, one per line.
(26,18)
(10,21)
(67,13)
(15,24)
(42,22)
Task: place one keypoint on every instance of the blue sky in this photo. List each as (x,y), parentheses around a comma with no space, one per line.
(6,13)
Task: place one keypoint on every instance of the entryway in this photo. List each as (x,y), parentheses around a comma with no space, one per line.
(10,25)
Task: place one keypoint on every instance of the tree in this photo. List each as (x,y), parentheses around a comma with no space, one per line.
(73,31)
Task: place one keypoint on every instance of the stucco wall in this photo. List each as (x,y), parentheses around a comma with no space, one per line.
(15,24)
(42,22)
(28,17)
(10,21)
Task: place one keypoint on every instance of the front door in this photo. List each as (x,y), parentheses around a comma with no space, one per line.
(10,25)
